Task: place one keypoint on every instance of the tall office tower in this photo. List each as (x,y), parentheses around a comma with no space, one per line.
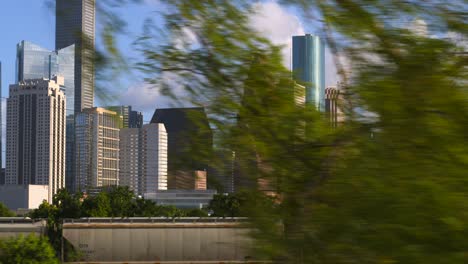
(96,148)
(36,134)
(308,65)
(75,24)
(190,140)
(131,119)
(143,158)
(35,62)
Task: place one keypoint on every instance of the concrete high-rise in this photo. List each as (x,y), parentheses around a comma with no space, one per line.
(96,149)
(143,158)
(308,66)
(131,119)
(75,25)
(35,62)
(36,112)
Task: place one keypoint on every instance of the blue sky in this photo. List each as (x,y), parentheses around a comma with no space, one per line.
(22,20)
(34,21)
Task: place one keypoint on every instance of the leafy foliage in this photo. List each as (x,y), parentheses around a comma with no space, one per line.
(5,212)
(385,187)
(389,185)
(27,249)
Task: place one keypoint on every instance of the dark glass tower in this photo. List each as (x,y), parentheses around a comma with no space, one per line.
(308,65)
(75,24)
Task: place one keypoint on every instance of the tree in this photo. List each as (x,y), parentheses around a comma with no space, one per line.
(44,211)
(68,205)
(225,205)
(389,185)
(5,212)
(196,213)
(98,206)
(121,201)
(27,249)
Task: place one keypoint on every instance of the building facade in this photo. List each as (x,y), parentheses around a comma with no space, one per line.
(331,105)
(143,158)
(131,119)
(36,134)
(190,140)
(96,148)
(308,66)
(35,62)
(75,25)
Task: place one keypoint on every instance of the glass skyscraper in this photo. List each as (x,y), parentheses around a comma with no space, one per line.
(308,65)
(35,62)
(75,25)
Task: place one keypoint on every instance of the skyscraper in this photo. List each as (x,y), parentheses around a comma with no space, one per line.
(36,134)
(308,65)
(131,119)
(96,148)
(75,24)
(190,140)
(35,62)
(143,158)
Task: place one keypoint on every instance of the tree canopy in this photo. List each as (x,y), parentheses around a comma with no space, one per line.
(389,184)
(29,249)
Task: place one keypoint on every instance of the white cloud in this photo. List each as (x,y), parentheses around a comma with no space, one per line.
(458,39)
(146,97)
(419,27)
(278,24)
(271,20)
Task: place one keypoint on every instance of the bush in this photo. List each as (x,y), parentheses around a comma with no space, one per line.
(5,212)
(27,249)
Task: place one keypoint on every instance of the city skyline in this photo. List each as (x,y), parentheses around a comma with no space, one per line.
(38,26)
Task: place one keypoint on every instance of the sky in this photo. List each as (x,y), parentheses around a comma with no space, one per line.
(34,21)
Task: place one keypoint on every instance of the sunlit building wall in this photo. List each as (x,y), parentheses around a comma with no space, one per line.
(96,148)
(131,119)
(36,134)
(143,158)
(33,62)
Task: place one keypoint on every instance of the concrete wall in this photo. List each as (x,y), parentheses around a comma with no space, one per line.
(14,226)
(159,241)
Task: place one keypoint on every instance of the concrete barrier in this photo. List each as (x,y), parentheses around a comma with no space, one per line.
(159,240)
